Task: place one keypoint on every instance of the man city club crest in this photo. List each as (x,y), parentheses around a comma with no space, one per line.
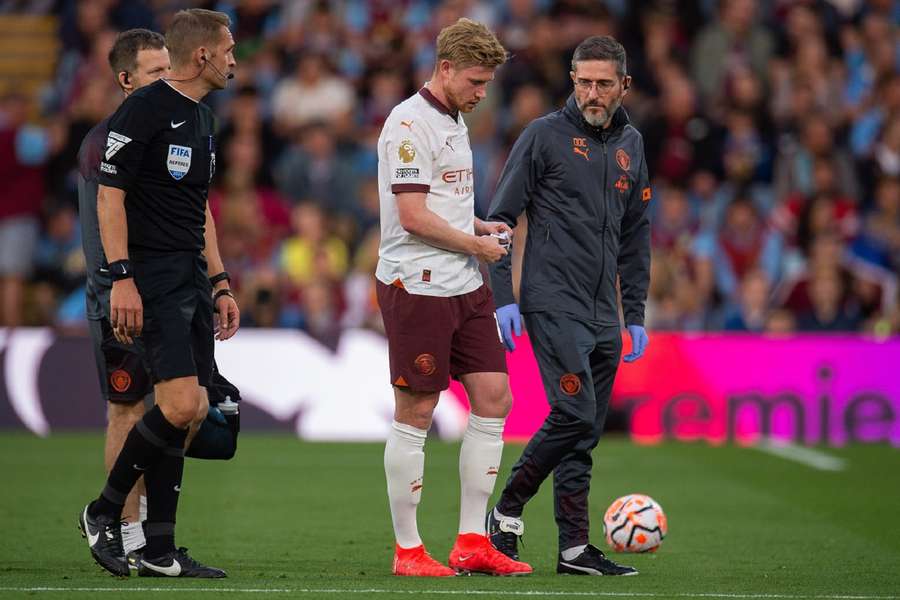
(178,161)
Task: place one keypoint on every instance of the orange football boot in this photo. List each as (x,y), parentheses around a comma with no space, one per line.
(474,553)
(416,562)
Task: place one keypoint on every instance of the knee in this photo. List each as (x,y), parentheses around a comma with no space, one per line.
(181,414)
(416,410)
(501,403)
(581,422)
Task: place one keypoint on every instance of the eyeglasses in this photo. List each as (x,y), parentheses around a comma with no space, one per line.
(603,86)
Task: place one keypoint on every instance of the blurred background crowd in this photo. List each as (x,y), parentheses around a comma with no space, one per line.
(772,132)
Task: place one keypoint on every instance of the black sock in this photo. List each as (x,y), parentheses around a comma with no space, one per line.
(163,489)
(142,450)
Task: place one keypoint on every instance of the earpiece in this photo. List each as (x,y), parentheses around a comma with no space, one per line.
(126,79)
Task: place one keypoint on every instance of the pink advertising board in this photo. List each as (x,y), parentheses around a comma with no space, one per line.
(830,390)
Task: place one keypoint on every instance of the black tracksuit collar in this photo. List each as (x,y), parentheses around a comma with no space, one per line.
(619,120)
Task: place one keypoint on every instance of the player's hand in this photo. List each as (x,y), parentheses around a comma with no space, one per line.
(228,317)
(639,343)
(488,249)
(126,314)
(510,320)
(493,227)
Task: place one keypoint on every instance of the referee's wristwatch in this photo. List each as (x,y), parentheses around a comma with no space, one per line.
(223,276)
(121,269)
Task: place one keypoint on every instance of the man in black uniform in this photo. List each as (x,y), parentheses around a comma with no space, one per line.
(160,152)
(580,176)
(138,58)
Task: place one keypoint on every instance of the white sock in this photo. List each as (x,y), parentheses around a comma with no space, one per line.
(404,466)
(132,537)
(142,507)
(479,461)
(573,552)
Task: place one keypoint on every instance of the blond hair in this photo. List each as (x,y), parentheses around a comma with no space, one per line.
(468,43)
(192,28)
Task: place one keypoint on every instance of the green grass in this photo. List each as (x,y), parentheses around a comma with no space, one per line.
(296,516)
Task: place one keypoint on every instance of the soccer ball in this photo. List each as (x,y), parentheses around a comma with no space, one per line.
(635,523)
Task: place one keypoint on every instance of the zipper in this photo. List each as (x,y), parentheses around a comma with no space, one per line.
(602,229)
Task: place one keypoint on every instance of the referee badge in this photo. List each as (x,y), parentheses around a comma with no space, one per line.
(178,161)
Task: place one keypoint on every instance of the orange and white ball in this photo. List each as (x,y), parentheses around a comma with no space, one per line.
(635,523)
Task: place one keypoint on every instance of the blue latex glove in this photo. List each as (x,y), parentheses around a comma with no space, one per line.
(510,320)
(639,343)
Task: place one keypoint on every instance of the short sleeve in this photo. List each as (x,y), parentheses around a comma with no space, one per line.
(130,131)
(409,155)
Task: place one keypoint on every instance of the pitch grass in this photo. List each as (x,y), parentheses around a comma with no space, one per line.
(296,516)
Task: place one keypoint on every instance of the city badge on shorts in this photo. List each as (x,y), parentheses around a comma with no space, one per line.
(178,161)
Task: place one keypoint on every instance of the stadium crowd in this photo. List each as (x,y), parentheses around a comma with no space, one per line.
(772,133)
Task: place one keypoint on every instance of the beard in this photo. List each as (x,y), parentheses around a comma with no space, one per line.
(601,118)
(457,103)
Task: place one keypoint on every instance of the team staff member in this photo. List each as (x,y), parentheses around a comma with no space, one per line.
(160,152)
(138,58)
(579,174)
(438,313)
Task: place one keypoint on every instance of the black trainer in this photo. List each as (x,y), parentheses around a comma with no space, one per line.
(592,561)
(504,533)
(177,563)
(104,538)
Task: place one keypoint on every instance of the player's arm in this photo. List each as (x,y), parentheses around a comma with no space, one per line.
(229,316)
(634,249)
(130,130)
(514,189)
(422,222)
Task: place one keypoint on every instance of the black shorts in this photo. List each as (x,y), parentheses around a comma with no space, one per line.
(124,374)
(178,315)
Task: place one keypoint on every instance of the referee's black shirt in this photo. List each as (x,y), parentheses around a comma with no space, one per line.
(160,150)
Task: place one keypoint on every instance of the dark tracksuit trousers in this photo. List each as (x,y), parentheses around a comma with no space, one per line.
(578,363)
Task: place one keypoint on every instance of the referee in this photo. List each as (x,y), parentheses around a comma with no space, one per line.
(160,154)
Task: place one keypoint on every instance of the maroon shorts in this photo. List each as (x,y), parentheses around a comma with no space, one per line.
(432,338)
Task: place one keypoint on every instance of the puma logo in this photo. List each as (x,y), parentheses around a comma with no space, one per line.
(407,124)
(582,151)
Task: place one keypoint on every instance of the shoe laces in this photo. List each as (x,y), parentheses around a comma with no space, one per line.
(112,535)
(185,559)
(595,552)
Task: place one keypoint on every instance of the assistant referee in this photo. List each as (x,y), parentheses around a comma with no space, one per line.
(160,155)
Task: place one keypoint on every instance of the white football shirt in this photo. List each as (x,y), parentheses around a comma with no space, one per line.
(425,148)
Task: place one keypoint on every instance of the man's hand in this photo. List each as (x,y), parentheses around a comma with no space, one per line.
(510,321)
(488,249)
(639,343)
(492,227)
(126,311)
(228,317)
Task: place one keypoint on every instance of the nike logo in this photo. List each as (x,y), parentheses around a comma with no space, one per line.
(137,468)
(465,558)
(173,570)
(177,125)
(91,537)
(177,488)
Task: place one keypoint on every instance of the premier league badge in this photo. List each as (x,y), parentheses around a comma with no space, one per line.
(178,161)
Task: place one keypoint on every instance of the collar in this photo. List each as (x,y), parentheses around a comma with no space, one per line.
(619,119)
(437,104)
(166,81)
